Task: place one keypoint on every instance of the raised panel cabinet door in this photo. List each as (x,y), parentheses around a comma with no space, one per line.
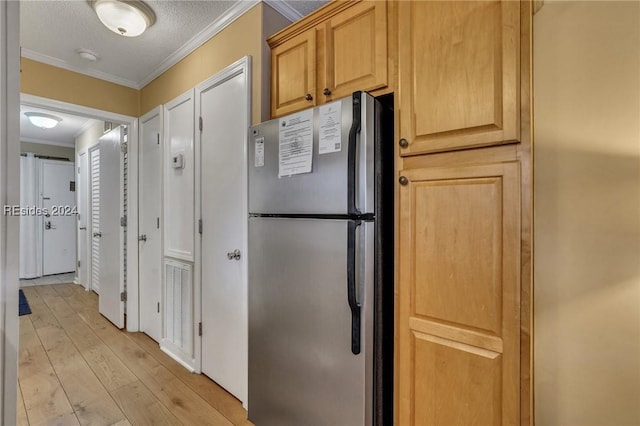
(355,50)
(459,296)
(459,74)
(293,74)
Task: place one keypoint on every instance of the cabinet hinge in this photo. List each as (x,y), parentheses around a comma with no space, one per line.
(78,263)
(158,222)
(199,329)
(123,147)
(158,137)
(123,221)
(200,226)
(123,296)
(158,307)
(200,123)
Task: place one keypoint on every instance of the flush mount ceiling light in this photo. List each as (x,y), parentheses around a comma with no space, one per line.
(129,18)
(44,121)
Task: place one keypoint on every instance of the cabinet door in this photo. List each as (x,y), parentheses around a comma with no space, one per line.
(458,309)
(459,74)
(356,50)
(293,74)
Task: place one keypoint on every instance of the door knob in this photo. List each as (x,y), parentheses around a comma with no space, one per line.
(83,228)
(97,234)
(309,97)
(47,225)
(234,255)
(326,91)
(142,237)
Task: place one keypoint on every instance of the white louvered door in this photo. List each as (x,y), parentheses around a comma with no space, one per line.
(94,159)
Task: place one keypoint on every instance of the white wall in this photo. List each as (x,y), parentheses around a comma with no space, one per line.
(90,137)
(48,150)
(587,213)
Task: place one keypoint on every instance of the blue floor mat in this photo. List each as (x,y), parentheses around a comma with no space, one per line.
(23,306)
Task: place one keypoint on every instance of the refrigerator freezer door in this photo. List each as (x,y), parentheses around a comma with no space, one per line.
(302,370)
(325,189)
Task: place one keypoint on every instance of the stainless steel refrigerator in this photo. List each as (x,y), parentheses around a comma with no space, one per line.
(321,266)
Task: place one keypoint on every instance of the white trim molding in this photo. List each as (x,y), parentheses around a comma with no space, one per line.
(236,11)
(285,9)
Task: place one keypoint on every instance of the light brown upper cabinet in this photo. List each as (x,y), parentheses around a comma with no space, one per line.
(459,74)
(344,43)
(293,75)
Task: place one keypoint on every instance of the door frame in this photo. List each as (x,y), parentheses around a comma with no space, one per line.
(9,195)
(79,257)
(132,194)
(241,66)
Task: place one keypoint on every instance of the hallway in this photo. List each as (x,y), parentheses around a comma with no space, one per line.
(76,368)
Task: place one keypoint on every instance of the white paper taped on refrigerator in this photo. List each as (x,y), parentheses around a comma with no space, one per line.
(259,153)
(329,137)
(295,148)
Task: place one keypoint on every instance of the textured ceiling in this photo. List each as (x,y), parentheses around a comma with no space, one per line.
(55,29)
(52,31)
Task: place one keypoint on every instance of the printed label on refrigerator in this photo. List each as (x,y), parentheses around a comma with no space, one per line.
(330,139)
(295,144)
(259,153)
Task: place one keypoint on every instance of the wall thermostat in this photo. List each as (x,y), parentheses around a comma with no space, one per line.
(177,161)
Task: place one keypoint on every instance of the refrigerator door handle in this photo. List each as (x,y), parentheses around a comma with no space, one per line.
(352,209)
(354,305)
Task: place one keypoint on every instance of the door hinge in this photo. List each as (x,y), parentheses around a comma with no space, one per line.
(200,123)
(123,221)
(123,296)
(78,170)
(78,263)
(199,329)
(200,226)
(123,147)
(158,307)
(158,137)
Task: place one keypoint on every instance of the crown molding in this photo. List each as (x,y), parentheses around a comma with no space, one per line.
(285,9)
(59,63)
(47,142)
(236,11)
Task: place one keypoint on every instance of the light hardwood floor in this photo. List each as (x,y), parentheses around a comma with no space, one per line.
(76,368)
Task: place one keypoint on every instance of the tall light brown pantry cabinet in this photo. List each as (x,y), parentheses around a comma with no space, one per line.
(462,316)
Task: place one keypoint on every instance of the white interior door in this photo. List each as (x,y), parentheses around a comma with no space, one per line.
(111,257)
(94,231)
(150,206)
(223,107)
(82,196)
(59,224)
